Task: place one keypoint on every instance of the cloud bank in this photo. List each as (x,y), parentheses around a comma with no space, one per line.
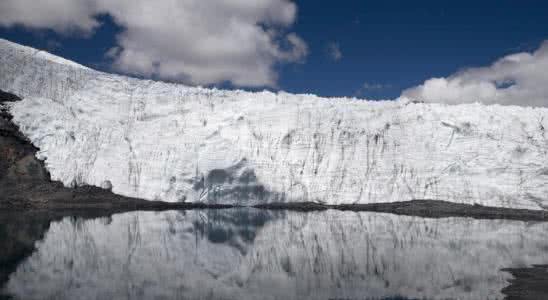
(194,41)
(517,79)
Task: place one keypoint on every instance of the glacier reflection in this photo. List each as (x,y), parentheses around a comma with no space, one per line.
(259,254)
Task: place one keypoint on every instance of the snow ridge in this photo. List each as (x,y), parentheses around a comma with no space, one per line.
(172,142)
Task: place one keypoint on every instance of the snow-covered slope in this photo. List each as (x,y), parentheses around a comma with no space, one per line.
(173,142)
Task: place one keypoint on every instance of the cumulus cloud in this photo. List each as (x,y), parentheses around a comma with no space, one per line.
(199,42)
(334,51)
(59,15)
(517,79)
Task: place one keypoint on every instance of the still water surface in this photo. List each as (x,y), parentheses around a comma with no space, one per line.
(260,254)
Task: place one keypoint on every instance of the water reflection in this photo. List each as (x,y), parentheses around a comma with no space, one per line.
(258,254)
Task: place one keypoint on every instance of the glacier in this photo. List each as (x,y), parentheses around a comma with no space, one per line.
(172,142)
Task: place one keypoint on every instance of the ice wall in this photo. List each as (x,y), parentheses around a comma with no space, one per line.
(172,142)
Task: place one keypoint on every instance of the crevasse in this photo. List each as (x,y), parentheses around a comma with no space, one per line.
(172,142)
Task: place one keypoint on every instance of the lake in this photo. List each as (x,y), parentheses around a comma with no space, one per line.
(246,253)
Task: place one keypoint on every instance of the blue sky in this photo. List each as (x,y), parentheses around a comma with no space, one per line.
(385,46)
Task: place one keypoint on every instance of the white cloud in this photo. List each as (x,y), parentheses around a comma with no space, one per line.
(334,51)
(59,15)
(517,79)
(200,42)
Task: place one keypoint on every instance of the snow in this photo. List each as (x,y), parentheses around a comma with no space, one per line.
(231,254)
(172,142)
(12,50)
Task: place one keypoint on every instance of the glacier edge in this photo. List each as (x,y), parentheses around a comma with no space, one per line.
(171,142)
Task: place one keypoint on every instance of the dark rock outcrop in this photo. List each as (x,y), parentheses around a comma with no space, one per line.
(18,162)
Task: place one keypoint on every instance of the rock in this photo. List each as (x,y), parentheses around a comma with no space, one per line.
(106,185)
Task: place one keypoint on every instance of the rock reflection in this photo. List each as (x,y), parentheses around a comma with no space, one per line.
(18,233)
(237,227)
(251,254)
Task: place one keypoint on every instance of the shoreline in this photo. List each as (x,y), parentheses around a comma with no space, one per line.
(435,209)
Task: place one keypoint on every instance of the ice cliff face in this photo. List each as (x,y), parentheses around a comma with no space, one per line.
(172,142)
